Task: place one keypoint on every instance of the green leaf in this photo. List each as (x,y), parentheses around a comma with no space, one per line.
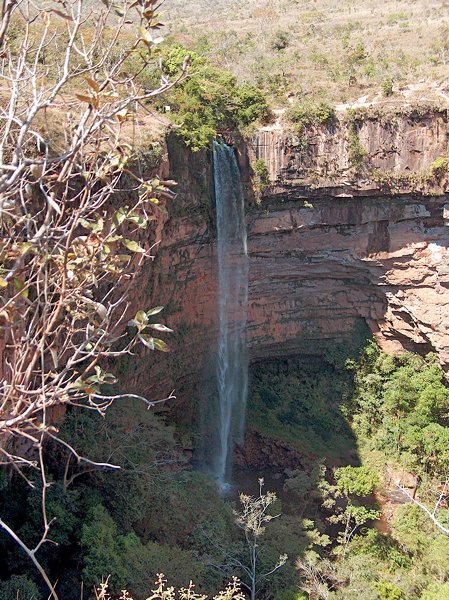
(155,310)
(145,35)
(93,226)
(161,345)
(141,317)
(20,287)
(132,246)
(109,378)
(140,320)
(119,216)
(147,340)
(140,221)
(119,10)
(160,327)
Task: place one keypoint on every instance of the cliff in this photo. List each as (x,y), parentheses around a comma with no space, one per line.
(331,244)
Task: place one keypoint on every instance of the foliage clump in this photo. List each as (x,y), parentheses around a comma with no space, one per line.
(357,151)
(439,167)
(261,176)
(387,87)
(19,587)
(402,407)
(210,100)
(304,115)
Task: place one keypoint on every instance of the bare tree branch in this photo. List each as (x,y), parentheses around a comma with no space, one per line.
(76,216)
(430,514)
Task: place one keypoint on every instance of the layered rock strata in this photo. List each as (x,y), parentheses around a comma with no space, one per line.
(324,256)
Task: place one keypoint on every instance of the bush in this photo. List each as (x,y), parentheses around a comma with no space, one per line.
(439,167)
(357,152)
(129,562)
(210,100)
(358,481)
(387,87)
(280,41)
(261,172)
(324,113)
(305,115)
(389,591)
(19,587)
(397,17)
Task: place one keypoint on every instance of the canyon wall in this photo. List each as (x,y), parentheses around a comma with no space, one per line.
(331,245)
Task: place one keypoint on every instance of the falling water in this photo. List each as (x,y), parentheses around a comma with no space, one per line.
(232,365)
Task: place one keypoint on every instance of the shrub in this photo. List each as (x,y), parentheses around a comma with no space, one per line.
(261,172)
(324,114)
(210,99)
(305,115)
(387,87)
(397,17)
(19,587)
(357,152)
(439,167)
(389,591)
(358,481)
(251,105)
(280,40)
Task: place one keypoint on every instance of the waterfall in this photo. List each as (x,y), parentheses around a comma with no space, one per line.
(231,361)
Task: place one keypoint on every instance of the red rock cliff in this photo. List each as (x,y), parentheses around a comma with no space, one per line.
(368,244)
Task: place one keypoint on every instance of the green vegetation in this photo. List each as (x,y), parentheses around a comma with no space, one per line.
(321,50)
(387,87)
(397,18)
(261,171)
(439,167)
(304,115)
(398,408)
(357,152)
(401,408)
(154,515)
(302,406)
(280,40)
(151,516)
(210,100)
(261,176)
(17,587)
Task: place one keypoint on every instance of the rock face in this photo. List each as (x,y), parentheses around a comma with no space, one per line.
(385,261)
(353,252)
(394,149)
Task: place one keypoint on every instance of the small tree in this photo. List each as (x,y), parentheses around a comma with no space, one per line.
(252,519)
(347,499)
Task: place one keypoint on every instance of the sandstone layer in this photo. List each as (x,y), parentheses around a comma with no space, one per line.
(353,251)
